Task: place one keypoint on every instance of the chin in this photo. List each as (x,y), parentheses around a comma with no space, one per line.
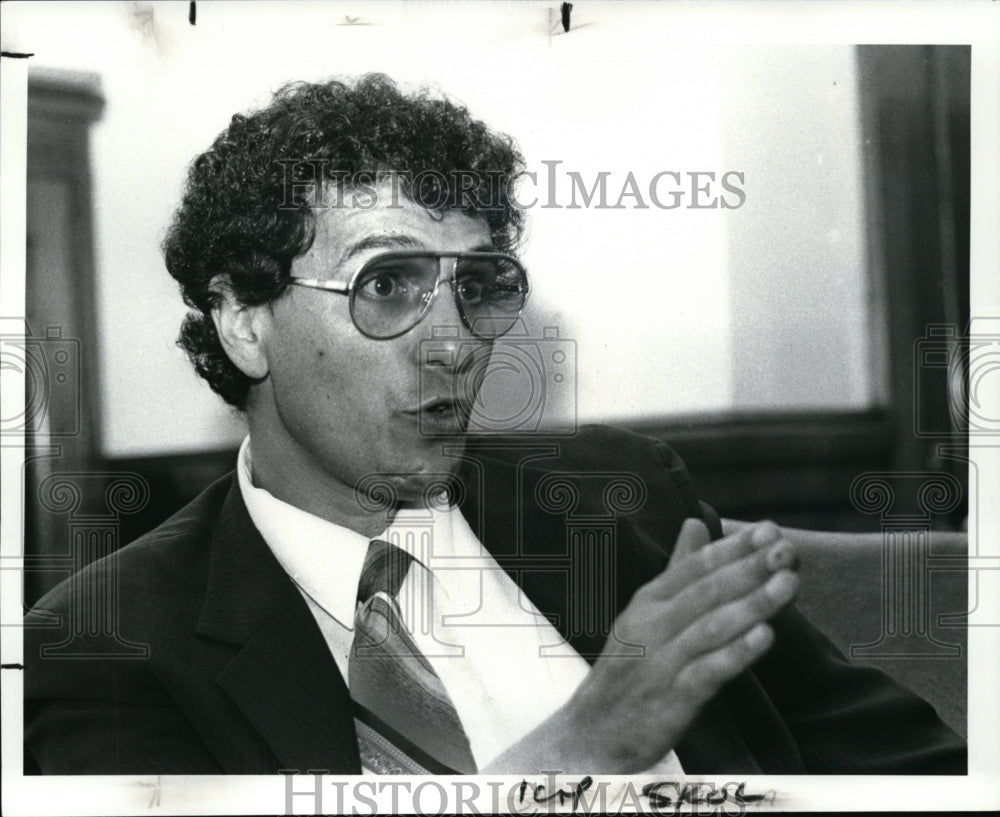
(412,480)
(438,467)
(422,489)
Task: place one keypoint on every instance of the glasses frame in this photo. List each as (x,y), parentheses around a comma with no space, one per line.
(446,273)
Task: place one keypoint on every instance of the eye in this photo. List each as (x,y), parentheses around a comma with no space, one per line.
(472,290)
(383,285)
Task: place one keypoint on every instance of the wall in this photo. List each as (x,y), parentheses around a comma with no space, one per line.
(668,311)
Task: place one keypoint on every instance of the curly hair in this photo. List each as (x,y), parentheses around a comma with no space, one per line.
(238,220)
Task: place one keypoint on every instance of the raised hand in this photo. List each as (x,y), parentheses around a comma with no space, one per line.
(701,622)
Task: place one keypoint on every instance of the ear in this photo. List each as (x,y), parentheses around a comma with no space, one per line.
(241,330)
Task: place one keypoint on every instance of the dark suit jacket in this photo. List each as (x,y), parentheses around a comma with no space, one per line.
(233,676)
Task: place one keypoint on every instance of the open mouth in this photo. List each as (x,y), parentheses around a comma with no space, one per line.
(443,415)
(439,407)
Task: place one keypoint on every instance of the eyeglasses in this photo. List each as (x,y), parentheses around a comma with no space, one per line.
(394,291)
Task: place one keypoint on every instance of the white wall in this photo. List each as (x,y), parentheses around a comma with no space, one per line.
(670,310)
(799,295)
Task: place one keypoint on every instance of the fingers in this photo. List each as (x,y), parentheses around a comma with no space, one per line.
(729,622)
(689,565)
(734,579)
(701,678)
(703,621)
(720,591)
(693,536)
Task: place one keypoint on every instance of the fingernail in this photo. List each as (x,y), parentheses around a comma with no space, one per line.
(759,637)
(764,533)
(779,556)
(782,586)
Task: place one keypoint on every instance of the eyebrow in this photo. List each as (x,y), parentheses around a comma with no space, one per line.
(395,242)
(379,242)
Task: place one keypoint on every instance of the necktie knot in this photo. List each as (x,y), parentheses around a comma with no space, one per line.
(384,569)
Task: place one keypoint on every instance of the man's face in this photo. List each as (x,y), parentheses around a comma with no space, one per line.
(343,405)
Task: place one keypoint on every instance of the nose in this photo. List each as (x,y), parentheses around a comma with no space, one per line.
(440,334)
(444,319)
(447,344)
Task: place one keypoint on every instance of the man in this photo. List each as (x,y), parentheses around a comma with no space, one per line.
(371,590)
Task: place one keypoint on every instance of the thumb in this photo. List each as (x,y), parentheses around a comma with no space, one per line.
(694,534)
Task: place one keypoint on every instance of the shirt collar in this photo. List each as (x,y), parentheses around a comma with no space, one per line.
(322,558)
(325,559)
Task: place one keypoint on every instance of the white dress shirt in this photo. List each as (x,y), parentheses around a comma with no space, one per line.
(506,668)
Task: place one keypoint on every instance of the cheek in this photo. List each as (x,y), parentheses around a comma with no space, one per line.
(323,369)
(303,366)
(332,379)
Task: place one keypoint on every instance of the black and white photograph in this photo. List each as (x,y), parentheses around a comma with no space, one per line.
(499,407)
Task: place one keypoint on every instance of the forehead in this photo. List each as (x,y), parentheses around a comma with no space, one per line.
(347,235)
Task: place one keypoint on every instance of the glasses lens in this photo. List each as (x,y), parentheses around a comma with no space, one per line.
(390,294)
(490,291)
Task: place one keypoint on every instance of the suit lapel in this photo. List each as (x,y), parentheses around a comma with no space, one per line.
(283,677)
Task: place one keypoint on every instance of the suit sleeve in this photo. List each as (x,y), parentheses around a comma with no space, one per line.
(840,717)
(848,719)
(91,714)
(680,479)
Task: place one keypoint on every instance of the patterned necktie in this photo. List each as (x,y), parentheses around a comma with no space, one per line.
(406,723)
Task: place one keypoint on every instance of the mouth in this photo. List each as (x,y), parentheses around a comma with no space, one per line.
(441,415)
(437,405)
